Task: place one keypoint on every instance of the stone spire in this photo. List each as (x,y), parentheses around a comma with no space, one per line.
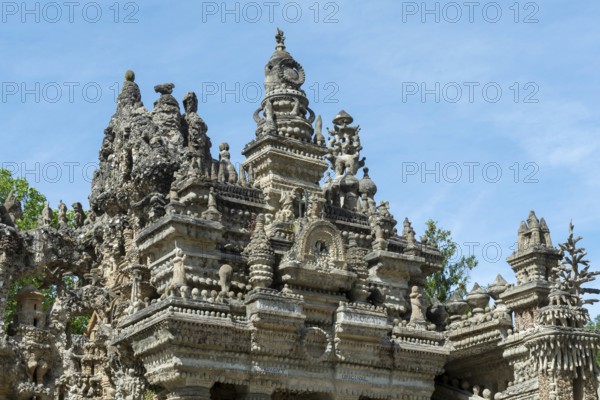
(139,155)
(534,263)
(284,132)
(533,233)
(285,106)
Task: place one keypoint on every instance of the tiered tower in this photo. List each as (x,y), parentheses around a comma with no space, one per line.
(286,155)
(550,351)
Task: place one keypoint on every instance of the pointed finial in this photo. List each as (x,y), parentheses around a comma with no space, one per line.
(280,39)
(476,289)
(500,281)
(523,227)
(130,76)
(532,220)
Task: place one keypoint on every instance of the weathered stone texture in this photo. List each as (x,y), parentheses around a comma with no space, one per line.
(203,282)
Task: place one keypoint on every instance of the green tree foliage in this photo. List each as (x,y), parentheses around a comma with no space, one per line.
(32,201)
(149,395)
(454,276)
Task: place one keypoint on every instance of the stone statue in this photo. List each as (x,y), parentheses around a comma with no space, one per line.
(165,88)
(319,138)
(46,217)
(227,172)
(418,307)
(12,205)
(344,146)
(286,211)
(197,139)
(79,215)
(179,275)
(225,278)
(315,207)
(62,215)
(269,119)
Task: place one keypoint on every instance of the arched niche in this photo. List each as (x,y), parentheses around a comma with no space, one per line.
(320,244)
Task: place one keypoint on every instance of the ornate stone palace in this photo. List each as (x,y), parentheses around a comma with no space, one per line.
(205,281)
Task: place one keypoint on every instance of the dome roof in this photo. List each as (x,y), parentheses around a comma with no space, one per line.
(366,184)
(282,68)
(343,118)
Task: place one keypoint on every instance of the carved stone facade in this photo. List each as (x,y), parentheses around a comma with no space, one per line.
(203,282)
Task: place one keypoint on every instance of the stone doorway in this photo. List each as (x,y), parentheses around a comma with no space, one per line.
(284,395)
(223,391)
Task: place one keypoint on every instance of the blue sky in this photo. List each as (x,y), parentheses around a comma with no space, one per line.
(506,88)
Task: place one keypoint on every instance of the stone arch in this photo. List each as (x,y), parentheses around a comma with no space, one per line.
(289,395)
(319,240)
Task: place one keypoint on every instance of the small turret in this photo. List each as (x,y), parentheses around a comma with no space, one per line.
(30,310)
(533,233)
(366,184)
(260,256)
(545,233)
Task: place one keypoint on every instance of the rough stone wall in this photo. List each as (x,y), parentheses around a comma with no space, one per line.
(591,389)
(564,387)
(544,386)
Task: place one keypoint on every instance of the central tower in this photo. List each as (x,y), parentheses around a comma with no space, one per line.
(286,155)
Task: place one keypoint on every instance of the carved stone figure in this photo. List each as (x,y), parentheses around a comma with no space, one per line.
(179,275)
(12,205)
(62,215)
(418,307)
(227,172)
(286,212)
(46,217)
(78,214)
(344,145)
